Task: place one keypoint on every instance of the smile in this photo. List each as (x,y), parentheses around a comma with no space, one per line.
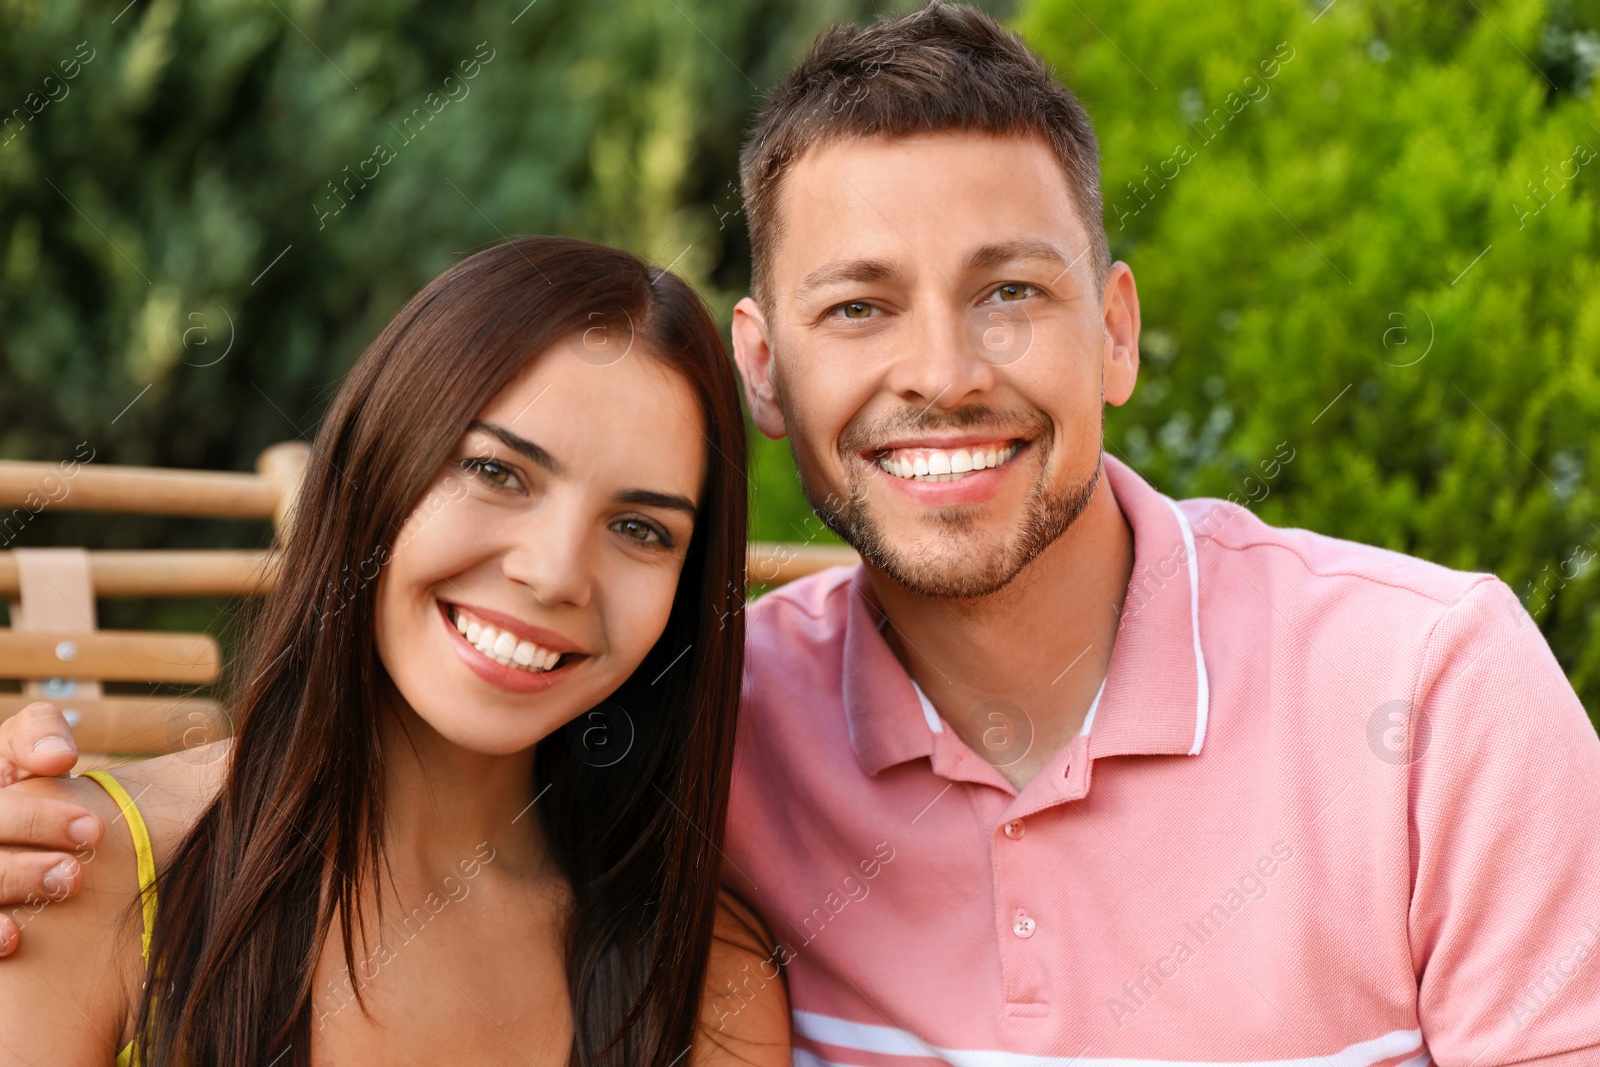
(508,653)
(945,464)
(503,646)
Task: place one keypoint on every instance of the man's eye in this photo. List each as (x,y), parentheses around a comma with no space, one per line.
(855,310)
(643,532)
(1013,291)
(492,471)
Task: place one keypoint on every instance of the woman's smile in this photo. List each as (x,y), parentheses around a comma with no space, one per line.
(508,653)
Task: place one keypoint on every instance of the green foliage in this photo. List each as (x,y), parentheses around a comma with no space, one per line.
(208,209)
(1367,204)
(1352,259)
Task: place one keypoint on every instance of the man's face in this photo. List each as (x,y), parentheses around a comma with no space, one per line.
(938,352)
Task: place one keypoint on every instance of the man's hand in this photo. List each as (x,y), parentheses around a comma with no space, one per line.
(37,742)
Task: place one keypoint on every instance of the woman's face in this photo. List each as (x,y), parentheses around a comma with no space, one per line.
(541,564)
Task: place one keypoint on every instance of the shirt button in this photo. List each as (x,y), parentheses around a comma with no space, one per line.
(1023,926)
(1014,829)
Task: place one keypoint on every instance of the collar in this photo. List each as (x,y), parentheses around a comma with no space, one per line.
(1155,698)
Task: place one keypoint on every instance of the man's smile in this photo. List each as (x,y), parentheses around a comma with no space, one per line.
(945,462)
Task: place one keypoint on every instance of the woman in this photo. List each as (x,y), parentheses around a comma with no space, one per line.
(483,740)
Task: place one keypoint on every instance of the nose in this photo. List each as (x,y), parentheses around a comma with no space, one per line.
(551,554)
(940,367)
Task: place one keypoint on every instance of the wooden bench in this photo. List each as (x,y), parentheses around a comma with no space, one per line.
(54,650)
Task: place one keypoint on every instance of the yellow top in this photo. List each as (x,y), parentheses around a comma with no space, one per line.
(147,871)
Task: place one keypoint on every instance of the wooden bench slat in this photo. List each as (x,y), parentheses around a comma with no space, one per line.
(167,573)
(142,725)
(775,563)
(227,573)
(111,656)
(137,490)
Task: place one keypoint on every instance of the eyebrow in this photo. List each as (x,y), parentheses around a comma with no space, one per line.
(866,271)
(641,497)
(993,255)
(651,499)
(861,271)
(519,444)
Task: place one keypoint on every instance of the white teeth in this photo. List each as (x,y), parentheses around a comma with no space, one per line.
(940,465)
(502,646)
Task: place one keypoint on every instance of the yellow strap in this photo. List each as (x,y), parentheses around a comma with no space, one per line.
(142,850)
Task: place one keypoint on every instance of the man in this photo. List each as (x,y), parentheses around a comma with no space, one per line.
(1068,772)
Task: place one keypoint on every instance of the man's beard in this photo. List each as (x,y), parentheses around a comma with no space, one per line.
(1047,515)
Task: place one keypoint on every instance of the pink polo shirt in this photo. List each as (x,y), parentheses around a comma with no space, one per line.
(1334,806)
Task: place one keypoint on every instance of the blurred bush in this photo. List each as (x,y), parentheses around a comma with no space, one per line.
(208,209)
(1367,231)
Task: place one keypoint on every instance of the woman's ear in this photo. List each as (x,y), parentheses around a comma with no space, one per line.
(752,350)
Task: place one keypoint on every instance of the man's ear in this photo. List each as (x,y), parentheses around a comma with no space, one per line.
(752,350)
(1120,304)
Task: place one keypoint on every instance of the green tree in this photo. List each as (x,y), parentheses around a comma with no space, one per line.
(208,209)
(1367,230)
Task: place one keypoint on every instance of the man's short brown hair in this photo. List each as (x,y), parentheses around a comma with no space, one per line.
(940,67)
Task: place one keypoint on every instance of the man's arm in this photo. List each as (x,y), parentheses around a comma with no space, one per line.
(38,743)
(1505,825)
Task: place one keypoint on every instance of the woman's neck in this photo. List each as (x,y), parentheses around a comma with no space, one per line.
(443,802)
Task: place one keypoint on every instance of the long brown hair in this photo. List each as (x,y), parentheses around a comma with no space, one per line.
(295,834)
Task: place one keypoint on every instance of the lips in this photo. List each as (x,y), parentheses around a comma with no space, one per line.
(923,470)
(506,652)
(945,464)
(505,646)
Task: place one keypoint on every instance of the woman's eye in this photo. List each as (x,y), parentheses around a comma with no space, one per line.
(643,532)
(855,310)
(1013,291)
(493,471)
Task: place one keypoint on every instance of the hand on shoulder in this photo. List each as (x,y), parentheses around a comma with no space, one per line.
(37,742)
(80,960)
(42,828)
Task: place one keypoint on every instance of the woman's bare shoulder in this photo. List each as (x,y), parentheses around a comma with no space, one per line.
(173,791)
(79,962)
(744,1014)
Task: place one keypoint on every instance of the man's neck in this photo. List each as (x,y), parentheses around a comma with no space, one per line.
(1039,647)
